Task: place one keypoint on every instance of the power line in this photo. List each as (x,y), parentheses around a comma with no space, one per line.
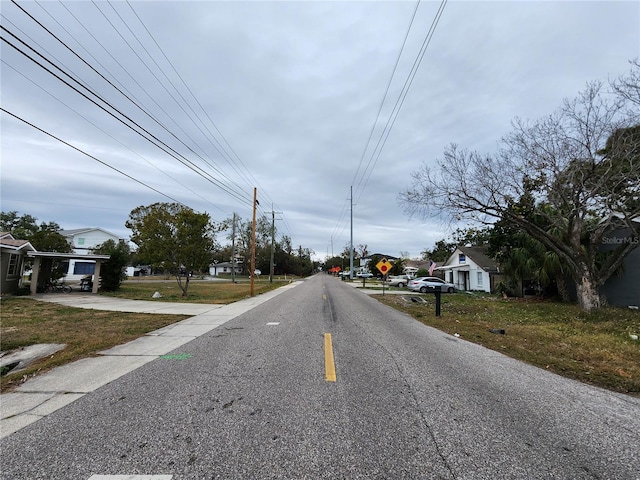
(90,156)
(401,98)
(163,146)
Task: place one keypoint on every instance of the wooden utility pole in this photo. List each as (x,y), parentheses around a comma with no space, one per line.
(252,274)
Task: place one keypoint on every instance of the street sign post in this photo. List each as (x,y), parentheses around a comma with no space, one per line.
(384,266)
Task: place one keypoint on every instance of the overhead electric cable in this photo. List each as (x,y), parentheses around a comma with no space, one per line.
(401,98)
(90,156)
(128,97)
(165,148)
(384,97)
(186,187)
(249,178)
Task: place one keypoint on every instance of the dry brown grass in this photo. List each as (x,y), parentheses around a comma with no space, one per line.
(29,322)
(595,349)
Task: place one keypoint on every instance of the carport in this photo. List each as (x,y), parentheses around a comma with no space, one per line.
(43,261)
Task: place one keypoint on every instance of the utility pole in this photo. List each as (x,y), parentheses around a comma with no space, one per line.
(233,249)
(252,274)
(351,243)
(273,242)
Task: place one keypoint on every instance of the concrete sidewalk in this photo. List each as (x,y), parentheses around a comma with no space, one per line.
(46,393)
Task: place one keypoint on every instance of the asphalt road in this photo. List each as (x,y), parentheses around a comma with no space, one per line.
(250,400)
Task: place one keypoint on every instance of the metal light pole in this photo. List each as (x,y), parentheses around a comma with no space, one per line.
(252,274)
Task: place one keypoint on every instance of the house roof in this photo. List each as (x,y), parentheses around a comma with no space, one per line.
(8,242)
(417,263)
(477,255)
(480,257)
(388,257)
(225,264)
(77,231)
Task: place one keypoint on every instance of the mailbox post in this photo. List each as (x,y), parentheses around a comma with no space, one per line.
(437,291)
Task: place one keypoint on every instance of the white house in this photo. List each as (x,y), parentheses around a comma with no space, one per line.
(469,268)
(82,241)
(224,268)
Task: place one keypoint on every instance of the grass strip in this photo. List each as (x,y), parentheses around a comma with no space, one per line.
(593,348)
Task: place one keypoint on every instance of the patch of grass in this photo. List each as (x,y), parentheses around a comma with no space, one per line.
(198,291)
(594,348)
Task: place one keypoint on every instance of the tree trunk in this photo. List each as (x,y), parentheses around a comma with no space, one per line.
(563,291)
(588,292)
(184,287)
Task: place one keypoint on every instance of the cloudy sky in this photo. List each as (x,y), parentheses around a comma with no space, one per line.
(200,102)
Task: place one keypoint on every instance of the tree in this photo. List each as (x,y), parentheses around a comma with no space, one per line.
(173,237)
(521,257)
(112,271)
(442,250)
(397,267)
(43,237)
(577,190)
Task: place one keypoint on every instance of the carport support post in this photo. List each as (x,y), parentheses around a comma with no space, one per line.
(34,275)
(96,277)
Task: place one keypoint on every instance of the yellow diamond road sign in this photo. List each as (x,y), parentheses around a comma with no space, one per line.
(384,266)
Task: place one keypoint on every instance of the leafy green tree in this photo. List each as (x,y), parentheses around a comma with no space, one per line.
(112,272)
(397,267)
(441,251)
(522,258)
(43,237)
(173,237)
(21,227)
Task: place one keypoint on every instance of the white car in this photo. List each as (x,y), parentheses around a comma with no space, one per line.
(364,274)
(425,284)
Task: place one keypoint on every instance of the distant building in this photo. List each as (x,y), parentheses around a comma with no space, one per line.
(224,268)
(82,241)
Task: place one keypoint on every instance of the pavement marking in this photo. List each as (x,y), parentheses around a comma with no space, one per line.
(273,323)
(130,477)
(176,356)
(329,364)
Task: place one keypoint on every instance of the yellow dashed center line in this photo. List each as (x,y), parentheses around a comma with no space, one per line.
(329,364)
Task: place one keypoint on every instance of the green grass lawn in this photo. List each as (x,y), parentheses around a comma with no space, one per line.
(199,291)
(595,348)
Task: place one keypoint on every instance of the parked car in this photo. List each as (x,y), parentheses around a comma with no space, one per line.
(399,281)
(364,274)
(424,284)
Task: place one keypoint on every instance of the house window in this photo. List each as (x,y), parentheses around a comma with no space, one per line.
(84,268)
(80,241)
(479,279)
(12,269)
(462,258)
